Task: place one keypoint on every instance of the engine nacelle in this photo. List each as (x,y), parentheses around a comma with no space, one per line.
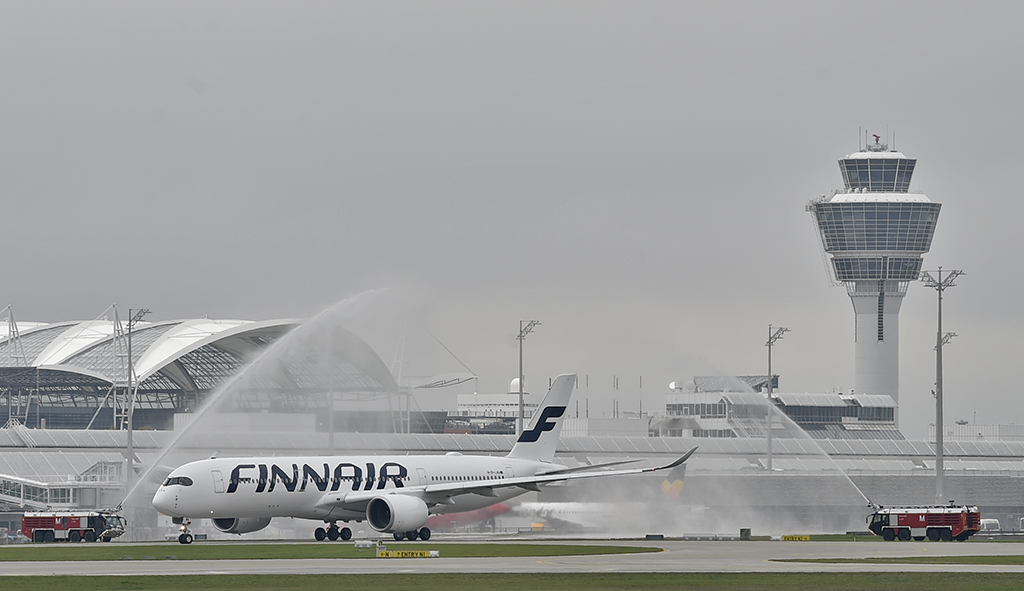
(396,513)
(240,525)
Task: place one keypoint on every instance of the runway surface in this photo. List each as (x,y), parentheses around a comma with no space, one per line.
(679,556)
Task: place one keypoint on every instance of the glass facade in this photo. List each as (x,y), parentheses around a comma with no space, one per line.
(881,268)
(878,175)
(805,415)
(698,409)
(877,226)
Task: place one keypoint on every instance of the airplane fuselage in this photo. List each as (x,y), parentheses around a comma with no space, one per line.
(315,487)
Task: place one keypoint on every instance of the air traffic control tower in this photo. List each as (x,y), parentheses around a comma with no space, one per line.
(876,232)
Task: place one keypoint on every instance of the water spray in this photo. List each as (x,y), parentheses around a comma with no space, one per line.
(344,310)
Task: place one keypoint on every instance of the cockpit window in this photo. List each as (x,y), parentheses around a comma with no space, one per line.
(182,480)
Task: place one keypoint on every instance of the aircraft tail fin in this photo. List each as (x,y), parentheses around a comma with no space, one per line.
(672,486)
(538,441)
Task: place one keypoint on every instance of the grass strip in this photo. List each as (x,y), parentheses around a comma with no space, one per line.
(537,582)
(1006,560)
(200,551)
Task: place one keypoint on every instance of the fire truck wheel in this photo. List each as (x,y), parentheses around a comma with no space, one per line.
(90,537)
(947,535)
(918,538)
(904,535)
(74,537)
(933,534)
(888,535)
(47,537)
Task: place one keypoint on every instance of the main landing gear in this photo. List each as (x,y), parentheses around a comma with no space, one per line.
(423,534)
(332,533)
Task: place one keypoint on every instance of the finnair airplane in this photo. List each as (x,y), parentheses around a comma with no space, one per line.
(393,494)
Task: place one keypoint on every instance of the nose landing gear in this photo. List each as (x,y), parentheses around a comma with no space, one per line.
(185,537)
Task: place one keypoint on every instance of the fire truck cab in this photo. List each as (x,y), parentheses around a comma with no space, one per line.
(943,522)
(72,526)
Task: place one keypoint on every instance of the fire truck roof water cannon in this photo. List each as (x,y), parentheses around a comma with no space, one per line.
(935,522)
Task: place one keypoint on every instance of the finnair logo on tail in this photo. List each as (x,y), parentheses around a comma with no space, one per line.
(543,424)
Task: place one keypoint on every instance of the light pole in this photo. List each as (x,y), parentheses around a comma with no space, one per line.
(940,285)
(772,337)
(523,331)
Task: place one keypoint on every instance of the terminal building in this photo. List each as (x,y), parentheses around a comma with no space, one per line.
(716,406)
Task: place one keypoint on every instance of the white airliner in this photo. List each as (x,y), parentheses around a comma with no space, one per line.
(393,494)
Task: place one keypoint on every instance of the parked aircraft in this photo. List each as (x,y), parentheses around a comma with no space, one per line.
(394,494)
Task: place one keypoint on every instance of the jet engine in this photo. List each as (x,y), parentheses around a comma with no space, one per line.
(396,513)
(240,525)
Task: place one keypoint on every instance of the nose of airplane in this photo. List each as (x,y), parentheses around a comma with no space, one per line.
(163,501)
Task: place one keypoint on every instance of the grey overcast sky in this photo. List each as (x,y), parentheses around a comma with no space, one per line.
(632,174)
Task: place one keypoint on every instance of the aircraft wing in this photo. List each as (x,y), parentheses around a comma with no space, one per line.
(591,467)
(441,494)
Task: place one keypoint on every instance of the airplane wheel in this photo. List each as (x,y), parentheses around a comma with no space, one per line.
(332,534)
(412,535)
(425,533)
(185,539)
(346,534)
(320,534)
(74,537)
(90,536)
(399,536)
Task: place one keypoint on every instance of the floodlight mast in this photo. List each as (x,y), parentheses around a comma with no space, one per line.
(523,331)
(772,337)
(939,284)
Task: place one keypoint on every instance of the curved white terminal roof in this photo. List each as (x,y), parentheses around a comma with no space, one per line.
(184,356)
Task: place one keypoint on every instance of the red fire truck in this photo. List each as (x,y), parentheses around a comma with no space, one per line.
(72,526)
(942,522)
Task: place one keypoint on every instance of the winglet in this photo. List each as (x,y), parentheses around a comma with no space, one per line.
(685,457)
(539,440)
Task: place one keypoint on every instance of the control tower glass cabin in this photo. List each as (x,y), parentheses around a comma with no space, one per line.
(876,232)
